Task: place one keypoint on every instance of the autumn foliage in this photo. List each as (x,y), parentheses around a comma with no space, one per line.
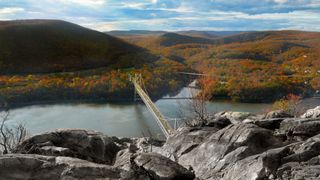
(249,67)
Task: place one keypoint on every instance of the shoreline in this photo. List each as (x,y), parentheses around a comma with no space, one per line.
(119,101)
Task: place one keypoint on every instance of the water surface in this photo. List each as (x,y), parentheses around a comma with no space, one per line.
(125,119)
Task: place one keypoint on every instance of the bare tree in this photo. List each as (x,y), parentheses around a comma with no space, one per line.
(194,110)
(151,141)
(10,137)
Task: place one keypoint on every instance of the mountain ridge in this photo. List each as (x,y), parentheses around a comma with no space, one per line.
(55,46)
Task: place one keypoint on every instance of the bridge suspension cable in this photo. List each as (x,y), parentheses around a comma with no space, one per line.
(160,119)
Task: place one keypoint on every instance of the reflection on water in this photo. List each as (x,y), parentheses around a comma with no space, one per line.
(127,119)
(119,120)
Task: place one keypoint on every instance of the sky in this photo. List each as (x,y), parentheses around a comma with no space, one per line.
(171,15)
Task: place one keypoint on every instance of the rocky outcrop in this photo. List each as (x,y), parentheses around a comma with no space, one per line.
(224,147)
(278,114)
(299,129)
(38,167)
(275,148)
(233,117)
(59,155)
(185,140)
(312,113)
(295,161)
(160,167)
(230,146)
(88,145)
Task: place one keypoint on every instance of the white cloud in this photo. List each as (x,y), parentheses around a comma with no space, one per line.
(102,26)
(89,3)
(180,9)
(133,5)
(153,24)
(7,11)
(177,14)
(280,1)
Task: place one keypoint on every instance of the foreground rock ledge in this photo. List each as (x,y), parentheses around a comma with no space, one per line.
(231,146)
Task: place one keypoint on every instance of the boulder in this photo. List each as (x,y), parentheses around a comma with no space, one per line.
(246,151)
(271,124)
(294,161)
(160,167)
(312,113)
(302,162)
(88,145)
(219,122)
(142,166)
(278,114)
(55,151)
(234,117)
(218,149)
(184,140)
(38,167)
(299,128)
(260,166)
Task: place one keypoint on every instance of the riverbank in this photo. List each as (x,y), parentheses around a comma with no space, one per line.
(230,146)
(102,84)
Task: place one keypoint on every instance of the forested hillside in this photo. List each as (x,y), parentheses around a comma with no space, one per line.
(56,60)
(51,60)
(31,46)
(251,66)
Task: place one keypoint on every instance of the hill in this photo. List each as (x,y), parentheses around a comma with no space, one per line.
(262,66)
(50,61)
(250,66)
(41,46)
(170,39)
(201,34)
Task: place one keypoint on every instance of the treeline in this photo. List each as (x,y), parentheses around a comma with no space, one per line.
(160,78)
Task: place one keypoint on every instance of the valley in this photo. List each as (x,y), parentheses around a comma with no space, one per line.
(52,60)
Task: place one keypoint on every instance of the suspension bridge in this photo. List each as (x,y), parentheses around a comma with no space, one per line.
(160,119)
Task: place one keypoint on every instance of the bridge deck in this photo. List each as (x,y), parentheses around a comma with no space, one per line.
(162,122)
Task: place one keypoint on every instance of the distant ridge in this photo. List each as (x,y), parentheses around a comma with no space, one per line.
(170,39)
(38,46)
(136,33)
(193,33)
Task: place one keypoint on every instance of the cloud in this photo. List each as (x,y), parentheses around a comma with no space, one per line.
(171,14)
(150,24)
(10,10)
(133,5)
(86,2)
(280,1)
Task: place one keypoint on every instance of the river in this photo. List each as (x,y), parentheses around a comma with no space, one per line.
(117,119)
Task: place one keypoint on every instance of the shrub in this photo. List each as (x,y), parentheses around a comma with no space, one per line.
(288,104)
